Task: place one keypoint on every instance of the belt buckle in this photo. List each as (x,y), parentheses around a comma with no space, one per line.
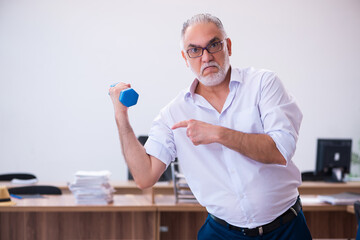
(261,231)
(294,211)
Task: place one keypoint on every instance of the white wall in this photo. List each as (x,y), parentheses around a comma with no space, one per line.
(58,58)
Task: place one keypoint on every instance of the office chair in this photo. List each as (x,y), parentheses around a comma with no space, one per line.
(35,189)
(357,214)
(11,176)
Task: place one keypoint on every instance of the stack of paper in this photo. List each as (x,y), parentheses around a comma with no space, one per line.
(92,187)
(345,198)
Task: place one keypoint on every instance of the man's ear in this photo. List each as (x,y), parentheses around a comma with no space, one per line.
(228,42)
(184,57)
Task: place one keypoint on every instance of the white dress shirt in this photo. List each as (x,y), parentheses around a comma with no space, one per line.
(231,186)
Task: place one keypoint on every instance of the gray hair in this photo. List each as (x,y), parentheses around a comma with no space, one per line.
(201,18)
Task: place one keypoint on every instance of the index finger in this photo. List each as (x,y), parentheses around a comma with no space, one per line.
(180,125)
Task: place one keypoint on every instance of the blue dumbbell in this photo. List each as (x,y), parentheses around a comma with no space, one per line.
(128,97)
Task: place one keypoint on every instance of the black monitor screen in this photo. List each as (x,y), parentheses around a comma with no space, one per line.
(333,154)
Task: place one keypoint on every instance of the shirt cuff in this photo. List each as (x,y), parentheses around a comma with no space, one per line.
(157,150)
(285,143)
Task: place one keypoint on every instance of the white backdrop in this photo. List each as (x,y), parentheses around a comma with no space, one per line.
(58,58)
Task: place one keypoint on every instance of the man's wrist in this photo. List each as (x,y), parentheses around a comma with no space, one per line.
(121,115)
(221,134)
(228,137)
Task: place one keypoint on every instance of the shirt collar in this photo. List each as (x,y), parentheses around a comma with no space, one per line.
(191,89)
(235,76)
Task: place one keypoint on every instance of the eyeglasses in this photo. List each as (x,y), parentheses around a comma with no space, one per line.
(211,48)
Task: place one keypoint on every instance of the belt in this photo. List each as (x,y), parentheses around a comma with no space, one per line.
(284,218)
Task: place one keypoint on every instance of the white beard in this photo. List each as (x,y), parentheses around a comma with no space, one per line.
(213,79)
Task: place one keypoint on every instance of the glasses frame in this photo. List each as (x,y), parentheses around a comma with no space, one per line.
(206,48)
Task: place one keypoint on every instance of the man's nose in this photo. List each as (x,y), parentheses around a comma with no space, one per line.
(207,57)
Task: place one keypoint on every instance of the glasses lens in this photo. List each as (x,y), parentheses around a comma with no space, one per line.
(211,48)
(194,52)
(215,47)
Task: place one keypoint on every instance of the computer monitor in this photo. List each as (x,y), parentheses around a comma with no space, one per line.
(333,158)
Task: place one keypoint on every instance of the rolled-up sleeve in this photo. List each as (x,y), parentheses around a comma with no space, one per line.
(160,143)
(280,115)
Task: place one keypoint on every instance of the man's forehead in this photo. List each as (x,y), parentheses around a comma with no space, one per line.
(200,34)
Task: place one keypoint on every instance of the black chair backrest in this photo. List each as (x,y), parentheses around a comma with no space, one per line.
(11,176)
(142,139)
(37,189)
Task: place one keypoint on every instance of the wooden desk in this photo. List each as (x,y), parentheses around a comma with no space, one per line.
(320,188)
(183,220)
(129,187)
(306,188)
(58,217)
(137,216)
(329,221)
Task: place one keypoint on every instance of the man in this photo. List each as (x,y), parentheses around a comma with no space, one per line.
(234,132)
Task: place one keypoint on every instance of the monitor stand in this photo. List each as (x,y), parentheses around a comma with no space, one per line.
(337,175)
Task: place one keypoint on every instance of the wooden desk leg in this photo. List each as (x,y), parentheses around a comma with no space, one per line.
(157,225)
(181,225)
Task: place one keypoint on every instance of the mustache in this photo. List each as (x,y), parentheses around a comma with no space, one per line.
(210,64)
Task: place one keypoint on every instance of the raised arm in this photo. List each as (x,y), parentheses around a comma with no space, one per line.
(145,169)
(259,147)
